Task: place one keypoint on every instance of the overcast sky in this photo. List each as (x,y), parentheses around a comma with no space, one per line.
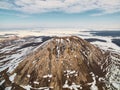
(59,13)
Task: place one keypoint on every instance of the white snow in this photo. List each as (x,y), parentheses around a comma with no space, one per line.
(101,79)
(66,84)
(58,51)
(47,76)
(75,87)
(42,45)
(93,84)
(71,87)
(18,57)
(103,45)
(113,73)
(58,40)
(28,76)
(8,88)
(35,82)
(68,40)
(11,78)
(62,40)
(76,74)
(49,80)
(2,82)
(66,32)
(38,40)
(15,59)
(71,72)
(44,32)
(116,85)
(8,48)
(107,46)
(28,87)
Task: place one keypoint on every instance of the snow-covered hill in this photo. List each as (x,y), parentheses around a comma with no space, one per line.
(15,47)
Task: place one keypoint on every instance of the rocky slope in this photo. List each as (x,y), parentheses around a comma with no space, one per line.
(61,63)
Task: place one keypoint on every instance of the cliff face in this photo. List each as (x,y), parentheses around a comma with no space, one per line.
(62,63)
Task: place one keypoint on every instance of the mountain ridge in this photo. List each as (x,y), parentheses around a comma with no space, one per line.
(59,61)
(62,63)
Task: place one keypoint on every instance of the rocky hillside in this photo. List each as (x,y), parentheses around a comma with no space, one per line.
(61,63)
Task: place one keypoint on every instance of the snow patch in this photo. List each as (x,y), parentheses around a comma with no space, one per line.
(93,84)
(8,88)
(35,82)
(47,76)
(116,85)
(28,76)
(28,87)
(11,78)
(70,72)
(58,51)
(2,82)
(68,40)
(71,87)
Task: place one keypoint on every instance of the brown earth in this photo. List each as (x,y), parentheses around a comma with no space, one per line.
(58,56)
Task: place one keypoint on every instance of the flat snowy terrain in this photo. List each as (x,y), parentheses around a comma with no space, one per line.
(104,42)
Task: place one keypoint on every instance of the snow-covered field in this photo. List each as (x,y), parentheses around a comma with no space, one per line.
(25,41)
(83,33)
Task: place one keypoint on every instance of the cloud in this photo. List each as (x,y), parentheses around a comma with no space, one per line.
(66,6)
(5,5)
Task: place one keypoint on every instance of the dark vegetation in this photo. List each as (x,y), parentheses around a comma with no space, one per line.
(44,38)
(106,33)
(94,39)
(116,41)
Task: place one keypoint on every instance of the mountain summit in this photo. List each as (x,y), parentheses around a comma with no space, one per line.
(61,63)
